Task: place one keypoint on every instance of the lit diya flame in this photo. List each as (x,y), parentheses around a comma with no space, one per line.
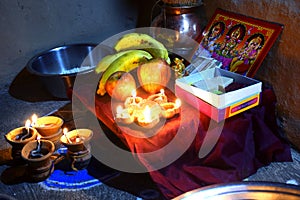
(147,115)
(42,123)
(124,115)
(33,120)
(37,153)
(133,101)
(27,125)
(133,93)
(148,119)
(77,138)
(159,97)
(25,132)
(65,131)
(119,111)
(177,103)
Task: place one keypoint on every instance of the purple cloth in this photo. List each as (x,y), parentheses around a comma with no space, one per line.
(247,142)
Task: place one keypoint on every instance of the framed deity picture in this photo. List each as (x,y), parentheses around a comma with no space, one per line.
(239,42)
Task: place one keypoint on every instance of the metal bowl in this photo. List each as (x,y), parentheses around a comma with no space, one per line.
(58,67)
(245,190)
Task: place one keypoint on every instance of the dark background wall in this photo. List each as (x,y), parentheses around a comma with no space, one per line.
(28,27)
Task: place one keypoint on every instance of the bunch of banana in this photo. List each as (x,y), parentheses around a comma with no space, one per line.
(145,42)
(132,50)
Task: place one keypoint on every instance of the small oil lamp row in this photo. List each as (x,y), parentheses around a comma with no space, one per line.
(33,144)
(147,112)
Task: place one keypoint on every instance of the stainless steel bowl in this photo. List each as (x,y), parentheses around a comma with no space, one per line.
(58,67)
(244,190)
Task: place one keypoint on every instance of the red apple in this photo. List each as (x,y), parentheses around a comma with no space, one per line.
(154,75)
(120,85)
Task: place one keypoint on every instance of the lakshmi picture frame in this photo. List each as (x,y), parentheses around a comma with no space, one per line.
(240,42)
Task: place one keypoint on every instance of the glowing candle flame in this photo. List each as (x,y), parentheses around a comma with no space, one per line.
(78,138)
(177,103)
(119,109)
(33,119)
(147,114)
(27,123)
(38,143)
(65,131)
(162,91)
(133,93)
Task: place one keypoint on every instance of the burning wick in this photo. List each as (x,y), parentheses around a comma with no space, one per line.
(147,114)
(27,125)
(65,134)
(36,153)
(147,119)
(78,139)
(33,120)
(177,103)
(119,111)
(133,94)
(25,132)
(123,115)
(162,92)
(161,95)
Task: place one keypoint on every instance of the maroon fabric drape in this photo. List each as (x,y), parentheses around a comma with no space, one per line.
(247,142)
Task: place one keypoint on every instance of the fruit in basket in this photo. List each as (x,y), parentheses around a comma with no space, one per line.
(145,42)
(154,75)
(120,85)
(107,60)
(126,62)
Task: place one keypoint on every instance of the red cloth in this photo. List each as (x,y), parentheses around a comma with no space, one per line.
(247,142)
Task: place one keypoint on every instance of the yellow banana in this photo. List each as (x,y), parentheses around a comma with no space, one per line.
(107,60)
(142,41)
(126,62)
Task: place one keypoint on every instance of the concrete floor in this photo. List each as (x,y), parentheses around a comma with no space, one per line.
(14,112)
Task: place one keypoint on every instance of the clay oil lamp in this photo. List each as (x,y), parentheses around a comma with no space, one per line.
(159,97)
(77,139)
(47,125)
(77,143)
(133,101)
(170,109)
(55,138)
(19,137)
(37,154)
(149,115)
(124,115)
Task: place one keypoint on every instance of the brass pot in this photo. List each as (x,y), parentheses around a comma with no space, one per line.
(188,22)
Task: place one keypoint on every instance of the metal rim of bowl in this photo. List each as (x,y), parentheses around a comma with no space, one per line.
(34,58)
(247,189)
